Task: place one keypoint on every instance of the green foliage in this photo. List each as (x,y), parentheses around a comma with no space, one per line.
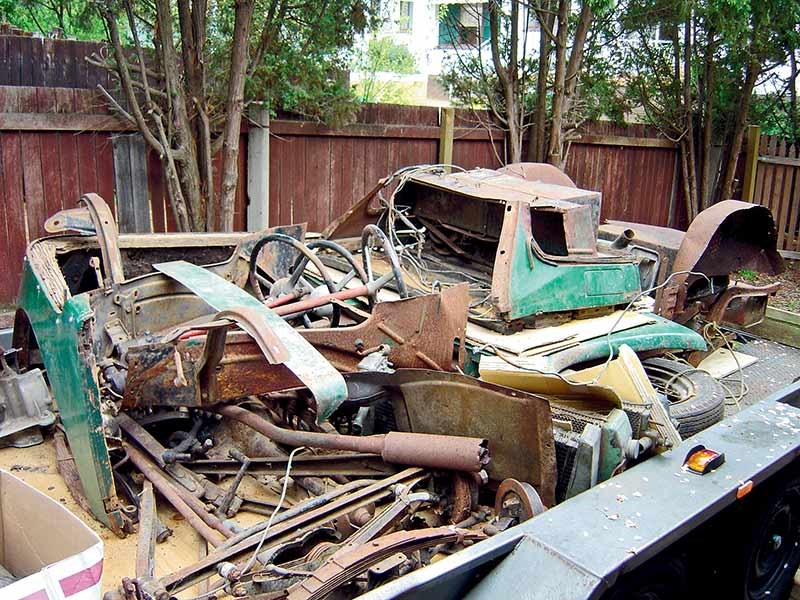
(748,275)
(771,112)
(77,18)
(384,55)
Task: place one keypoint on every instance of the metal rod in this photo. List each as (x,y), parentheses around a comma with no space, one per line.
(146,542)
(173,495)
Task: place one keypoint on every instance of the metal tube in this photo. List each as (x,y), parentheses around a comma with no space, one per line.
(413,449)
(308,304)
(174,496)
(623,239)
(297,509)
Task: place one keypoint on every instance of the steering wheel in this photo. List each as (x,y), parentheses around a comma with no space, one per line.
(373,232)
(294,283)
(355,269)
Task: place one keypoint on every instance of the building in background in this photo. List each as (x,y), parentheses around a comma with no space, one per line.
(433,31)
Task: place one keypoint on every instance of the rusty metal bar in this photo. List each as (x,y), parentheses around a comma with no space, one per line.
(146,542)
(326,465)
(176,497)
(309,303)
(414,449)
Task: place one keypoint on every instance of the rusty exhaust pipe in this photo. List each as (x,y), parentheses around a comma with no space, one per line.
(623,239)
(454,453)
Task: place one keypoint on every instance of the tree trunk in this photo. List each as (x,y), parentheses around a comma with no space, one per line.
(576,56)
(555,147)
(708,121)
(186,153)
(689,135)
(233,124)
(537,143)
(729,171)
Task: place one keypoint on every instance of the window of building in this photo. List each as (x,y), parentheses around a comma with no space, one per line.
(463,23)
(405,17)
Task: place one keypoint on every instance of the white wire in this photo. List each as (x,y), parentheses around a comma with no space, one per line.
(252,560)
(274,512)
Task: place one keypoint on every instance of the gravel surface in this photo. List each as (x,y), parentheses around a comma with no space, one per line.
(788,297)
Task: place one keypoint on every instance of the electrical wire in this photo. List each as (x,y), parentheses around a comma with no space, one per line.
(254,556)
(252,560)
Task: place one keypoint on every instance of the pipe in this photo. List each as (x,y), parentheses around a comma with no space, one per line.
(449,452)
(308,304)
(190,507)
(623,239)
(297,509)
(162,484)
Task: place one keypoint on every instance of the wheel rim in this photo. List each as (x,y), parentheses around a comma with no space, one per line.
(776,550)
(677,387)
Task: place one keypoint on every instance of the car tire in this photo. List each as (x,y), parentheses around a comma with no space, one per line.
(696,399)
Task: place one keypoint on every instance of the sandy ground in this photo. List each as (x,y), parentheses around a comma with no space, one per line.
(37,466)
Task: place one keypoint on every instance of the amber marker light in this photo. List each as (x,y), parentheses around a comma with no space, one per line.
(701,460)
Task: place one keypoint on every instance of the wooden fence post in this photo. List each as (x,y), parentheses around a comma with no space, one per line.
(258,170)
(446,127)
(130,183)
(751,163)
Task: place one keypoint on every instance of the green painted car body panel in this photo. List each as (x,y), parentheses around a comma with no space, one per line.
(322,379)
(537,287)
(659,334)
(59,334)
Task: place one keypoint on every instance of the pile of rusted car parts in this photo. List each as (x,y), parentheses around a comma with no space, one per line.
(170,345)
(165,353)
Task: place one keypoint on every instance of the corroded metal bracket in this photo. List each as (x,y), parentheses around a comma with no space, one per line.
(308,365)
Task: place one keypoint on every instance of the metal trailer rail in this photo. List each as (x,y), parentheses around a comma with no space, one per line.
(578,549)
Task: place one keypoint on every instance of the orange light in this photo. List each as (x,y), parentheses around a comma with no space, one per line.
(701,460)
(744,489)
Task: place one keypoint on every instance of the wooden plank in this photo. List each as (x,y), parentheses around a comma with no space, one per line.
(70,182)
(782,215)
(45,100)
(62,122)
(779,160)
(155,187)
(104,161)
(316,199)
(446,136)
(618,140)
(15,61)
(276,175)
(751,163)
(8,284)
(794,214)
(87,168)
(34,75)
(302,128)
(35,208)
(5,60)
(126,212)
(14,202)
(65,100)
(51,174)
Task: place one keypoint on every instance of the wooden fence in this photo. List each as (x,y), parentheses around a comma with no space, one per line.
(58,140)
(772,179)
(317,173)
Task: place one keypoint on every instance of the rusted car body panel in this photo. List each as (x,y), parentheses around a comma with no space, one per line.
(728,237)
(176,335)
(532,243)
